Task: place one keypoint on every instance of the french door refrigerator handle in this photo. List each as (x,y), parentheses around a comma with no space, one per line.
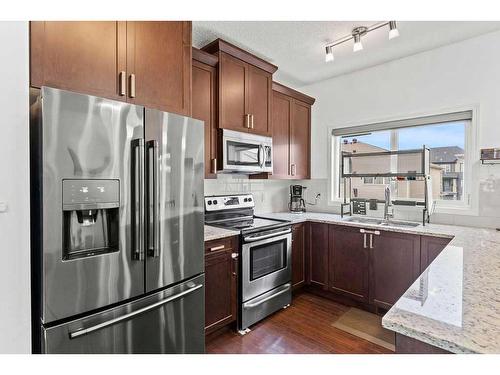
(85,331)
(138,197)
(153,199)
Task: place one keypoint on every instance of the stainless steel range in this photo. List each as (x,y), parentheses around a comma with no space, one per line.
(265,256)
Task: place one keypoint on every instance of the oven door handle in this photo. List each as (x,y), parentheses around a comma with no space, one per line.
(258,238)
(263,159)
(286,288)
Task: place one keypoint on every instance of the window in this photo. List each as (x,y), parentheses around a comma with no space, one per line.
(445,135)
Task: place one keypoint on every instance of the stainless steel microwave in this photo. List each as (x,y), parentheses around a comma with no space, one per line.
(246,153)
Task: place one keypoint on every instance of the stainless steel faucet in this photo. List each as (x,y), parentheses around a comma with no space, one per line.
(387,203)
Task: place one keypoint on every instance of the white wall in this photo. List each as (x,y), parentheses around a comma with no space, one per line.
(15,329)
(458,75)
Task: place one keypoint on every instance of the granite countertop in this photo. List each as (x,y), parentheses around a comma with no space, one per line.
(455,303)
(214,233)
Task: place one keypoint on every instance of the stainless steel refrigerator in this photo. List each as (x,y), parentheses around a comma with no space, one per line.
(117,227)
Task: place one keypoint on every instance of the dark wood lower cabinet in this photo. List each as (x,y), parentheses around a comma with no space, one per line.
(367,270)
(220,283)
(298,255)
(318,255)
(408,345)
(348,263)
(431,247)
(394,266)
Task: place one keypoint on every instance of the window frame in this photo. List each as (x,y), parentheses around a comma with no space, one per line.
(467,206)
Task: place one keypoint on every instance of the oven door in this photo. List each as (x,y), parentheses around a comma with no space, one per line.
(266,262)
(243,152)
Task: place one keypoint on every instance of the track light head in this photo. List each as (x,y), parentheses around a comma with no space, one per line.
(329,54)
(357,32)
(393,30)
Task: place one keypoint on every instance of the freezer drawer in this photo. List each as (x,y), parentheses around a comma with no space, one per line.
(170,321)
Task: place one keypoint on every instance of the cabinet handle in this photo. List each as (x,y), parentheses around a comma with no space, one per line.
(251,121)
(247,121)
(364,240)
(213,166)
(234,255)
(215,248)
(371,241)
(292,169)
(132,85)
(122,83)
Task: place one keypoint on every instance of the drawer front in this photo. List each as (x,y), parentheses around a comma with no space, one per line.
(222,244)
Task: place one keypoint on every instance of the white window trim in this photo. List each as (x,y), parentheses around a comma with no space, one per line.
(470,204)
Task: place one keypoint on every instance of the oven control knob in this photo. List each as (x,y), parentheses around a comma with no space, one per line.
(245,199)
(209,203)
(249,199)
(215,201)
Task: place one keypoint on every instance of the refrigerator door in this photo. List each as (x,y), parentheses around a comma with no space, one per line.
(175,214)
(170,321)
(86,145)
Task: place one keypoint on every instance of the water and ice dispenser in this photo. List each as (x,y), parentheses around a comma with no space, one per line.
(90,217)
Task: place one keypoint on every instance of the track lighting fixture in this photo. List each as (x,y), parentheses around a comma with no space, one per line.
(393,30)
(356,35)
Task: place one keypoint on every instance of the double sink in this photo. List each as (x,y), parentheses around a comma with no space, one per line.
(382,222)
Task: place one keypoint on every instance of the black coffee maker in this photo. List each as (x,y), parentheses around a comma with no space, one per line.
(297,202)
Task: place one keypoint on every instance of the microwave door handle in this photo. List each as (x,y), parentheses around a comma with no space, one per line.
(262,160)
(138,198)
(153,198)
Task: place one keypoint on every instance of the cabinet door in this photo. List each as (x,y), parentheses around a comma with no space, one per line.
(298,248)
(281,135)
(348,267)
(159,55)
(430,248)
(204,108)
(220,289)
(259,100)
(232,93)
(395,265)
(85,57)
(300,128)
(318,254)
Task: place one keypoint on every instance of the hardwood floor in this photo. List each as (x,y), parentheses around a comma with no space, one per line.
(304,327)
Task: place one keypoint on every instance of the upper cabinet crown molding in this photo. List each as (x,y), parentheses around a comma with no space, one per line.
(293,93)
(221,45)
(205,57)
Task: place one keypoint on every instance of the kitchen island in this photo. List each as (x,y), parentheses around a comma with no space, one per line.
(453,305)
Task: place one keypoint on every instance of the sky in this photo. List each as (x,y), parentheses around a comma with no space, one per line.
(450,134)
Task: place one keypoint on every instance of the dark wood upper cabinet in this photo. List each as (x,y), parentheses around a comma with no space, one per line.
(245,83)
(232,93)
(85,57)
(147,63)
(300,138)
(291,130)
(204,104)
(282,112)
(349,262)
(430,248)
(259,100)
(159,59)
(298,255)
(220,283)
(318,255)
(395,265)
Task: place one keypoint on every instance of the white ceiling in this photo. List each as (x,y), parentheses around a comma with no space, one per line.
(297,47)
